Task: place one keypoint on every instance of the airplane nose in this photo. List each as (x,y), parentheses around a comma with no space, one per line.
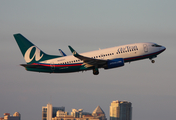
(163,48)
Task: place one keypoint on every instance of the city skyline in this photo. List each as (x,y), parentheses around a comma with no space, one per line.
(58,113)
(15,116)
(89,25)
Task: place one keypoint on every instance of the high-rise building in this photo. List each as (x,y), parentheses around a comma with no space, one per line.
(121,110)
(48,112)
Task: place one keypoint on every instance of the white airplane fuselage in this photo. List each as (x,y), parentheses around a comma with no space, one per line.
(129,53)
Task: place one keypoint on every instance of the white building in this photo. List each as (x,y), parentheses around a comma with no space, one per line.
(61,113)
(77,113)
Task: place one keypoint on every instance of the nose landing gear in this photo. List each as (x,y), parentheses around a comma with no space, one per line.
(153,61)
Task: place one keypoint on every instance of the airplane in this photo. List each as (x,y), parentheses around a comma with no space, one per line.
(38,61)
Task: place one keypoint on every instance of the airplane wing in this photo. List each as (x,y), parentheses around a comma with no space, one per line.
(89,62)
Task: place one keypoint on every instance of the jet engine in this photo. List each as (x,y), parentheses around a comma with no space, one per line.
(118,62)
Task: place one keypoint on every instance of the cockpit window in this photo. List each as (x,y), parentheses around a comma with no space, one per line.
(156,45)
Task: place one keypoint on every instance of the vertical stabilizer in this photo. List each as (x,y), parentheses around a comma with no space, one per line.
(30,52)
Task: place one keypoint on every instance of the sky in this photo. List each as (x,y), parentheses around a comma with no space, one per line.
(88,25)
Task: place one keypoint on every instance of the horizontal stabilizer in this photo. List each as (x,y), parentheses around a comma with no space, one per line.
(32,66)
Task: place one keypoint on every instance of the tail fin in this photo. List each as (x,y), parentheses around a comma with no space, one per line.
(30,51)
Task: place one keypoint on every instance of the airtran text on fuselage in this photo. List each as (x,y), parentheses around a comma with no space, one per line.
(127,49)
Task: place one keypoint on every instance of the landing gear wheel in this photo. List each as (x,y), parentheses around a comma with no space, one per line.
(153,61)
(95,71)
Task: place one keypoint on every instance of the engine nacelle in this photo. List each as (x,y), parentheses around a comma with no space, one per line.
(118,62)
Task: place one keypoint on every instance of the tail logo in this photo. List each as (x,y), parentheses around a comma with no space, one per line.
(74,52)
(36,54)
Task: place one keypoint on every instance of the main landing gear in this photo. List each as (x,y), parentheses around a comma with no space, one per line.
(153,61)
(95,71)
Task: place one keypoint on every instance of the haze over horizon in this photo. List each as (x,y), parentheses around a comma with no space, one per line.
(86,26)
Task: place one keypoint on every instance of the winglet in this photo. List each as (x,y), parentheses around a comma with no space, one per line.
(73,51)
(62,53)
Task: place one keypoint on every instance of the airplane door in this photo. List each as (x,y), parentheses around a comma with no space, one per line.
(102,56)
(145,48)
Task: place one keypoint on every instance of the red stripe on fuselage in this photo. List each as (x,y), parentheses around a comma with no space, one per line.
(56,65)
